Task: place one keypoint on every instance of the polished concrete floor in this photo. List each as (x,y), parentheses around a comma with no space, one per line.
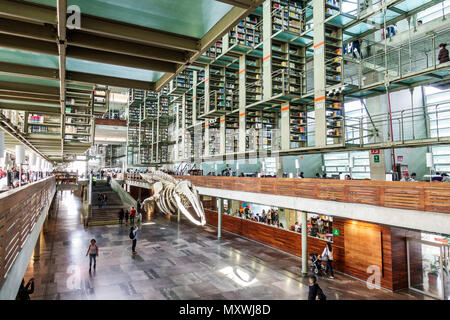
(172,262)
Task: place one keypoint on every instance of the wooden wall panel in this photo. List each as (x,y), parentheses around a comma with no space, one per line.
(387,244)
(362,247)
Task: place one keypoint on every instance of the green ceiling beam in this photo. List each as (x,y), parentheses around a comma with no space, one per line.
(28,11)
(29,88)
(86,40)
(28,71)
(109,81)
(120,59)
(239,3)
(40,46)
(109,28)
(29,107)
(230,19)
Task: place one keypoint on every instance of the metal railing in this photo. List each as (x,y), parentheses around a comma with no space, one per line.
(428,122)
(398,62)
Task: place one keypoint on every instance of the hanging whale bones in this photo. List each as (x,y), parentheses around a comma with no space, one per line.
(171,194)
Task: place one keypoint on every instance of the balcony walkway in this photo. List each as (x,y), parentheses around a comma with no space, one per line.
(171,263)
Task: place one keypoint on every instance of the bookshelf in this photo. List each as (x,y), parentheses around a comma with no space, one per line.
(246,33)
(253,79)
(259,126)
(287,15)
(297,125)
(231,134)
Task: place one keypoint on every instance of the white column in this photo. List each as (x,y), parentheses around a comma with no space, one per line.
(219,218)
(304,243)
(2,144)
(20,154)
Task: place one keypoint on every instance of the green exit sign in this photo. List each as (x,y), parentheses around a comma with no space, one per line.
(335,232)
(376,158)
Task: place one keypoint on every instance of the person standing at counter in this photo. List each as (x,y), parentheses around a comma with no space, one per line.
(327,255)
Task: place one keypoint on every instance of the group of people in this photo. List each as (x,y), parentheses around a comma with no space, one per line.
(131,215)
(102,199)
(271,217)
(12,178)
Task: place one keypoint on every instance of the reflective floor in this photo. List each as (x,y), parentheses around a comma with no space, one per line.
(172,262)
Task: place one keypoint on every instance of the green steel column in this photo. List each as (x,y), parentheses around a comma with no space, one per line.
(207,89)
(157,128)
(219,218)
(183,127)
(267,49)
(304,243)
(319,73)
(194,98)
(285,127)
(242,103)
(206,137)
(178,215)
(177,130)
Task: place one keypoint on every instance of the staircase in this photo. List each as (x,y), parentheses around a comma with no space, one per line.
(109,213)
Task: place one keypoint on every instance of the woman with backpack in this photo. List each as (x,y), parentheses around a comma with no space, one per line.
(327,255)
(133,237)
(93,254)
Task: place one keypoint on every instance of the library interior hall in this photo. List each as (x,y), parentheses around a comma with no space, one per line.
(224,150)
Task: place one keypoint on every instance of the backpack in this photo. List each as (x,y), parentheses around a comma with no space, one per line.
(320,294)
(131,234)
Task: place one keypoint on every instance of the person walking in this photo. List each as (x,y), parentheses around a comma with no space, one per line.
(327,256)
(127,215)
(121,215)
(315,292)
(443,53)
(25,290)
(138,206)
(105,199)
(133,236)
(100,200)
(132,215)
(93,254)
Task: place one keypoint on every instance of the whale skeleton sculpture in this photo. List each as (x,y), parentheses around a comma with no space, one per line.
(172,194)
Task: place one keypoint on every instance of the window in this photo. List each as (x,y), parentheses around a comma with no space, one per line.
(340,162)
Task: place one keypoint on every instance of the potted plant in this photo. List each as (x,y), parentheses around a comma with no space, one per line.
(435,269)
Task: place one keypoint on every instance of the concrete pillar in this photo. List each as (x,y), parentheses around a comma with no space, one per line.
(319,74)
(267,49)
(219,218)
(304,218)
(377,165)
(37,248)
(222,135)
(285,127)
(242,103)
(178,215)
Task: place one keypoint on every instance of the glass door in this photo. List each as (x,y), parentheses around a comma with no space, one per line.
(428,265)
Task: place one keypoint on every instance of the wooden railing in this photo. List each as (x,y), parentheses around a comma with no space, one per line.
(404,195)
(19,212)
(423,196)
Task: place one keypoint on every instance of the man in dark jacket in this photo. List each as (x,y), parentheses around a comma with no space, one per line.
(443,53)
(315,292)
(25,291)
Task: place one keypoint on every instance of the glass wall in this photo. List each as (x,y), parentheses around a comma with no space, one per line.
(336,162)
(319,226)
(428,264)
